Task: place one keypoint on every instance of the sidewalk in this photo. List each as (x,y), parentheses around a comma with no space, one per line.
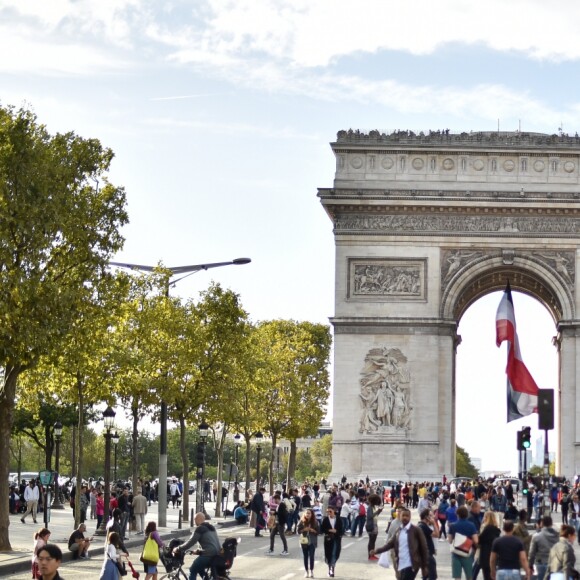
(61,526)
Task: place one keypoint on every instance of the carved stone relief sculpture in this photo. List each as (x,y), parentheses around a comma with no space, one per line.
(562,262)
(454,260)
(386,279)
(385,392)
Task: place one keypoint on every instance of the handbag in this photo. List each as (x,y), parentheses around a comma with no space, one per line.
(271,522)
(304,539)
(384,560)
(120,566)
(150,554)
(461,545)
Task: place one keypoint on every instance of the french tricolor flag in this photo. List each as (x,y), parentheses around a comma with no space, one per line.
(522,391)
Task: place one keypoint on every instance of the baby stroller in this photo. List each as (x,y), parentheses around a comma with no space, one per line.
(222,563)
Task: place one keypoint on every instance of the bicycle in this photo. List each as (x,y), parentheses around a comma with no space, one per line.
(173,564)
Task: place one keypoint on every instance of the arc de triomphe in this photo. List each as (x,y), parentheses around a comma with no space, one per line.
(424,225)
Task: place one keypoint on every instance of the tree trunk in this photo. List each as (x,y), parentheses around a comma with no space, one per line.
(135,445)
(79,474)
(271,465)
(291,465)
(248,465)
(185,466)
(48,447)
(7,397)
(220,470)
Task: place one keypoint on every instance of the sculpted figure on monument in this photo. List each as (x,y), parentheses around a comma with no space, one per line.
(385,392)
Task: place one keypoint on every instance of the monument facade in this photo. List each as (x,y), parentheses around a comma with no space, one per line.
(424,225)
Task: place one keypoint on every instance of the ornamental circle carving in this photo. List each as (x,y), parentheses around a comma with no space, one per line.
(478,165)
(509,165)
(356,162)
(569,166)
(448,164)
(539,165)
(387,163)
(418,163)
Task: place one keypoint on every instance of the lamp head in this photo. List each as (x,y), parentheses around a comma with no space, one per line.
(203,429)
(109,418)
(58,429)
(238,439)
(115,438)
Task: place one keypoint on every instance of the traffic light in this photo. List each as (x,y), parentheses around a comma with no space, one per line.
(520,446)
(525,488)
(526,437)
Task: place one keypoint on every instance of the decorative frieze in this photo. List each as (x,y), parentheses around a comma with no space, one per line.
(379,279)
(457,225)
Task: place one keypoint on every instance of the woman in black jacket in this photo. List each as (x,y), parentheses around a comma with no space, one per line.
(332,529)
(488,533)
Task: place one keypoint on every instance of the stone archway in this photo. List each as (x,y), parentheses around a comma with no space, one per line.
(424,225)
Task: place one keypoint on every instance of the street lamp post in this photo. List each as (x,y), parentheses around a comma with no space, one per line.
(259,439)
(237,442)
(109,420)
(199,494)
(175,271)
(56,502)
(115,439)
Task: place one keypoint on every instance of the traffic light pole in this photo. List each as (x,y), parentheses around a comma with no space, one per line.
(546,510)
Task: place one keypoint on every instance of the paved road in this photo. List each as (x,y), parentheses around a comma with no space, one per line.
(252,562)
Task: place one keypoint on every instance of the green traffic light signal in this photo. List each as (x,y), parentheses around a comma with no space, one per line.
(526,437)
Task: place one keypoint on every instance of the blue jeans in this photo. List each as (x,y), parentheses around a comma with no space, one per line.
(200,564)
(507,575)
(541,570)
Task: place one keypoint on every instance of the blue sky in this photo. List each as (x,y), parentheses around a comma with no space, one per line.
(220,114)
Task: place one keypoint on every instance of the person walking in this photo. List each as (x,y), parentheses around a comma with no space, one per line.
(508,556)
(152,533)
(279,518)
(113,555)
(139,510)
(489,533)
(257,506)
(308,530)
(372,527)
(100,508)
(333,531)
(541,544)
(562,558)
(411,553)
(40,540)
(31,497)
(466,529)
(429,525)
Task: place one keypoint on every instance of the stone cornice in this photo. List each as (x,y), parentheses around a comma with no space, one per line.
(332,195)
(447,140)
(393,325)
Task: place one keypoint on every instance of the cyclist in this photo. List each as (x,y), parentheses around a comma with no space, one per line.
(208,539)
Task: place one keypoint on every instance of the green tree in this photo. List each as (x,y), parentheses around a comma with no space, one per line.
(60,225)
(321,453)
(464,467)
(293,378)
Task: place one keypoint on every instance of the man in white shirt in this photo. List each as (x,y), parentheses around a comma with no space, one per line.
(31,497)
(410,547)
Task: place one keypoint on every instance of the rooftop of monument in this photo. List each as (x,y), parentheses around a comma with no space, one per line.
(447,138)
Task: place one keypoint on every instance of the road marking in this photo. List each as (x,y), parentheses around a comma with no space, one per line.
(348,545)
(288,576)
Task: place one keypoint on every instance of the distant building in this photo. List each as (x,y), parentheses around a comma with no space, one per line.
(325,428)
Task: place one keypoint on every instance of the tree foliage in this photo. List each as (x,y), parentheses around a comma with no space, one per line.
(60,225)
(464,467)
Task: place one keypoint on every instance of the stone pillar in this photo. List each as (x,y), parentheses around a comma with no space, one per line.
(568,456)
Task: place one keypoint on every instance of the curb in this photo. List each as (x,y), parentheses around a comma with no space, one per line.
(25,563)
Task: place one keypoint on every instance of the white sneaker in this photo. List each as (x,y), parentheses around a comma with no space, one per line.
(306,574)
(269,552)
(284,553)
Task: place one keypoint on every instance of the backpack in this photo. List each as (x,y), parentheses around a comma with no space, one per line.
(290,505)
(362,510)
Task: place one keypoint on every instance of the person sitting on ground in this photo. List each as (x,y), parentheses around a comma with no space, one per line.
(78,544)
(241,513)
(49,559)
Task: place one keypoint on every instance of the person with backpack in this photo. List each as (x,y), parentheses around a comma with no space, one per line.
(373,512)
(442,517)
